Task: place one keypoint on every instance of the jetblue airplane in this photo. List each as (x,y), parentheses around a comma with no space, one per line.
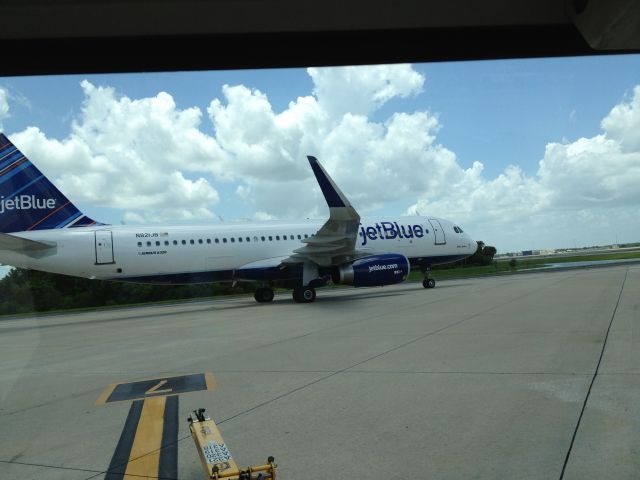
(41,229)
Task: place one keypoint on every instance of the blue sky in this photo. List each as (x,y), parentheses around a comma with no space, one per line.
(396,138)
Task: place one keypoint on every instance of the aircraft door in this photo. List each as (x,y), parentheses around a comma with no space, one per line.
(438,232)
(104,247)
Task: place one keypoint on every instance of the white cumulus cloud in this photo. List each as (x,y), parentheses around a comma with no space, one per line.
(584,189)
(130,154)
(361,90)
(373,161)
(157,162)
(4,106)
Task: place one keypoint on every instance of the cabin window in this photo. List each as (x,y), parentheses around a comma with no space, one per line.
(270,238)
(184,242)
(166,242)
(139,244)
(277,237)
(157,243)
(248,239)
(192,241)
(284,237)
(208,240)
(175,242)
(224,240)
(299,237)
(306,236)
(200,241)
(240,239)
(233,240)
(148,244)
(255,239)
(217,240)
(262,238)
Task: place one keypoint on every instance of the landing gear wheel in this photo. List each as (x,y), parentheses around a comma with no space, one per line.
(263,295)
(429,283)
(304,294)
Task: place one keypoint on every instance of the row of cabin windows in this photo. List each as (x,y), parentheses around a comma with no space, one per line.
(200,241)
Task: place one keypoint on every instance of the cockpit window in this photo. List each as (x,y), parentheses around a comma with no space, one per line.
(457,229)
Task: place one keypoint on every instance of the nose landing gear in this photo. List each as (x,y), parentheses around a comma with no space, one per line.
(428,282)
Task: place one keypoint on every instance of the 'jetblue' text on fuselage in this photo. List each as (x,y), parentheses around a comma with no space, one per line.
(389,231)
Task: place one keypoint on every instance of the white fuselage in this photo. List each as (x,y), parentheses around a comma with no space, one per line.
(129,253)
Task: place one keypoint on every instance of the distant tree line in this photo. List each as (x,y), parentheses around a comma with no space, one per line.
(24,291)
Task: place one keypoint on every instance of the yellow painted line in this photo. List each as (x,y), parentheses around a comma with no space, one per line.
(144,460)
(102,399)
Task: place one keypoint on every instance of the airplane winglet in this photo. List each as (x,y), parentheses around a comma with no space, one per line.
(332,194)
(334,243)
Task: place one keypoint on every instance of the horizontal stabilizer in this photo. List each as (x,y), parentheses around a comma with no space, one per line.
(24,245)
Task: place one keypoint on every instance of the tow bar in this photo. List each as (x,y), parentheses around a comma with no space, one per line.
(216,459)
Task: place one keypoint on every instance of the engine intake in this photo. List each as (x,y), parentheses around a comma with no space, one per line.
(376,270)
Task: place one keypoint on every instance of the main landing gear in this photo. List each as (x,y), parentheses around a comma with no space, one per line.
(304,294)
(300,294)
(263,295)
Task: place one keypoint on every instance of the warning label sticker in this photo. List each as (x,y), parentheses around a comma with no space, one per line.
(216,452)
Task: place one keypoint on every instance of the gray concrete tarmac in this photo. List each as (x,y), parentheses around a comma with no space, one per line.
(479,378)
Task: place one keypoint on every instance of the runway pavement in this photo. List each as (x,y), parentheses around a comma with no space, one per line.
(479,378)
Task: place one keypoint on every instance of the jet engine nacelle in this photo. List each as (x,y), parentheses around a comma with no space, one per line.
(376,270)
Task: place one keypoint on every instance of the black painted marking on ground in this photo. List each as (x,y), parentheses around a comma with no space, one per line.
(593,379)
(169,445)
(120,459)
(165,386)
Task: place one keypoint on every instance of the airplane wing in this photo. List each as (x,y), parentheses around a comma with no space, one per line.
(335,242)
(24,245)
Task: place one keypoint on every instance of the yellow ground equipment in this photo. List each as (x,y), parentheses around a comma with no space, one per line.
(216,458)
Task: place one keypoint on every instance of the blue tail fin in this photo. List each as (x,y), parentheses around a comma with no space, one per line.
(28,200)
